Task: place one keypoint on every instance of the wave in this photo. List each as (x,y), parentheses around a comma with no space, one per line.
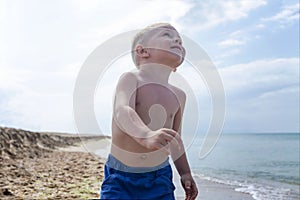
(256,190)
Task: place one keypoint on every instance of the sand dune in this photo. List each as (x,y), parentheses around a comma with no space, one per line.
(34,166)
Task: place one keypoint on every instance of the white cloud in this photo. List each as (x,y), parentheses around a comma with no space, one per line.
(260,26)
(261,76)
(228,53)
(2,10)
(231,43)
(287,15)
(38,100)
(86,6)
(262,95)
(39,111)
(133,15)
(209,15)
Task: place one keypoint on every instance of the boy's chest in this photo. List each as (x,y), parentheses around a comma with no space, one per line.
(155,94)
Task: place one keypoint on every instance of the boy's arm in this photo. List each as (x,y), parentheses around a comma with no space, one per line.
(179,157)
(129,121)
(124,107)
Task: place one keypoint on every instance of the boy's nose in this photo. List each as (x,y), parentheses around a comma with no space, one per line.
(178,40)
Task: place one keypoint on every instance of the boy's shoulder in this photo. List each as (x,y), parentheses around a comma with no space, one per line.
(127,78)
(128,75)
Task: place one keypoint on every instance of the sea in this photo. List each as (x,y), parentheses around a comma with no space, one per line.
(264,165)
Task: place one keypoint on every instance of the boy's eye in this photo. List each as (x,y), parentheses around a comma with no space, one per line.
(166,34)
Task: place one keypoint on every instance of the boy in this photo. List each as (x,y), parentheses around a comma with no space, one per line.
(147,121)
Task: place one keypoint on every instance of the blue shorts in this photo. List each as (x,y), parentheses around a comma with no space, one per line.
(124,182)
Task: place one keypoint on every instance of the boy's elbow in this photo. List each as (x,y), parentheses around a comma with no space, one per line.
(122,112)
(118,111)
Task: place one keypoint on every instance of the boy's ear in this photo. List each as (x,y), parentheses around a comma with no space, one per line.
(141,51)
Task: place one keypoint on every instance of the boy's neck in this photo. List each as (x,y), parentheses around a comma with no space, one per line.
(156,72)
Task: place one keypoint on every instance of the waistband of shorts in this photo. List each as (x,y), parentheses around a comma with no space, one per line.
(114,163)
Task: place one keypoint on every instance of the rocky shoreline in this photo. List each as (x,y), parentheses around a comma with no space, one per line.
(34,166)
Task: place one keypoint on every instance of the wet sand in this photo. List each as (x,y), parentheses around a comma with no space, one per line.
(209,190)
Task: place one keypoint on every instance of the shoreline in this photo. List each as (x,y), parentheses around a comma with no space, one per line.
(209,190)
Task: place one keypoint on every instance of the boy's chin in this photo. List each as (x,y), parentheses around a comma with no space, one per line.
(179,60)
(176,59)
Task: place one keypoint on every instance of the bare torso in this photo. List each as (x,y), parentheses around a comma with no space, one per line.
(156,104)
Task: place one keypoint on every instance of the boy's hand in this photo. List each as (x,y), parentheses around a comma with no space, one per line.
(161,138)
(189,186)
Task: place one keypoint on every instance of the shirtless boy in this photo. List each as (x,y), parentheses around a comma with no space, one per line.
(146,125)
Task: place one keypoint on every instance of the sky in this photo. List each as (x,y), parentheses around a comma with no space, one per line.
(254,44)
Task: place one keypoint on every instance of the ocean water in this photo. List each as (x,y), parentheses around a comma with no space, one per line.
(263,165)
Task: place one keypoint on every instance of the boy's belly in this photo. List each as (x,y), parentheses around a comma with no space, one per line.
(132,154)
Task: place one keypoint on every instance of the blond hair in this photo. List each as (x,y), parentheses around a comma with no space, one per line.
(140,38)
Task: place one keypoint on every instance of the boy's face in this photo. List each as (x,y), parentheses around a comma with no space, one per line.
(164,45)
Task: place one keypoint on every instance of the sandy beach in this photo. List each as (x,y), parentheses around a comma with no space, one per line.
(61,166)
(47,166)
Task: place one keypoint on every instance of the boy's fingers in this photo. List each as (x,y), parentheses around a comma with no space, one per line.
(167,137)
(173,136)
(163,147)
(188,196)
(169,131)
(194,191)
